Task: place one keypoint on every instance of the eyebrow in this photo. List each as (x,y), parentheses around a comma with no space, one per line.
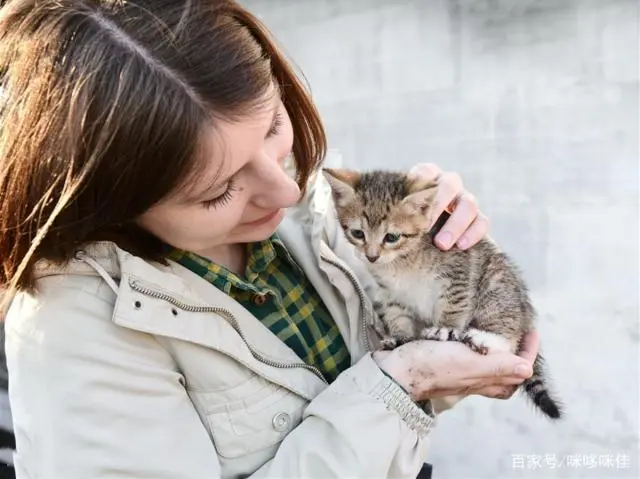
(218,182)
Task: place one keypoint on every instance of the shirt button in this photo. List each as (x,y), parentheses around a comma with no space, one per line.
(281,421)
(259,299)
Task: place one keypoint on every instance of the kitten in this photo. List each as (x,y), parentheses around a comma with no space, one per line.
(474,296)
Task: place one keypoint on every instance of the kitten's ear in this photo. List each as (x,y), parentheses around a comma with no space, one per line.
(422,194)
(342,184)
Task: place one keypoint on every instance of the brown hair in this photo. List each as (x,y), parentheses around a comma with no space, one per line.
(102,109)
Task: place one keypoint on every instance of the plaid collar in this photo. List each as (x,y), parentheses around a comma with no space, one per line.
(259,255)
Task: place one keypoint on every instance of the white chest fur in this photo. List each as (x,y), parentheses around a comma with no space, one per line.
(419,292)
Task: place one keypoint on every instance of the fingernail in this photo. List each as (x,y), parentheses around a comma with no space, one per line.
(445,239)
(415,170)
(420,169)
(522,370)
(463,242)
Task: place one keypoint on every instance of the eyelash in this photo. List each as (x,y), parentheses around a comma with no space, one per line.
(223,199)
(277,123)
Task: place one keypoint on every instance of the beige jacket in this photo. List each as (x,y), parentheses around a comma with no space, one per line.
(123,368)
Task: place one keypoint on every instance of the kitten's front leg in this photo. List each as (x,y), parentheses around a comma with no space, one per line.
(380,327)
(396,325)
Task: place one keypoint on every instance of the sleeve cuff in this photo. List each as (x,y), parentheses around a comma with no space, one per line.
(383,388)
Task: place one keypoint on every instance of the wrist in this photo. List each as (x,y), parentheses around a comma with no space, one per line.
(392,365)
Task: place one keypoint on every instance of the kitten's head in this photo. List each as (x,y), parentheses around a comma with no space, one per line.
(384,214)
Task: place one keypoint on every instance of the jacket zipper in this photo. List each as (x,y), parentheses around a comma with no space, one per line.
(228,316)
(361,295)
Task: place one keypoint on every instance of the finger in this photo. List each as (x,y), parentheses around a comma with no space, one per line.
(449,188)
(427,171)
(508,380)
(497,392)
(478,230)
(530,346)
(500,381)
(464,214)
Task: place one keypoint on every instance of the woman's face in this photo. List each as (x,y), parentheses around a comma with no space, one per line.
(242,193)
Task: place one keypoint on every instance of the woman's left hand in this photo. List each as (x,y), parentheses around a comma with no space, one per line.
(466,225)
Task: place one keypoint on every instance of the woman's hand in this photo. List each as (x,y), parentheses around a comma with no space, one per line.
(467,225)
(432,369)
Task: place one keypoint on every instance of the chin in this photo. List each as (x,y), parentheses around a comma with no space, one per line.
(260,232)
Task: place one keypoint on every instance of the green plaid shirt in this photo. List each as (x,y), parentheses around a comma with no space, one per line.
(276,291)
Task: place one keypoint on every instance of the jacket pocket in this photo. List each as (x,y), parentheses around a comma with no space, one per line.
(256,421)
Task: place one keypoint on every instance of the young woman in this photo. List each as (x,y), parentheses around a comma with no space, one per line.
(180,303)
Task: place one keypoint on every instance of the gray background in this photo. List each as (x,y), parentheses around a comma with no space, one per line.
(535,104)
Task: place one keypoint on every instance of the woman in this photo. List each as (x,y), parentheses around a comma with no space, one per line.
(182,306)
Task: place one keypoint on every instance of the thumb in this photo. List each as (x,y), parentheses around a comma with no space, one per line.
(497,365)
(426,171)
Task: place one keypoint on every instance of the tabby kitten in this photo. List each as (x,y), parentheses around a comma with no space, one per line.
(475,296)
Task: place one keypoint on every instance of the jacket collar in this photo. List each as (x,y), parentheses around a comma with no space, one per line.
(304,234)
(172,302)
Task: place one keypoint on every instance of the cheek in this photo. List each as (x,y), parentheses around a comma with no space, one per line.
(395,248)
(360,246)
(192,227)
(357,244)
(173,227)
(158,222)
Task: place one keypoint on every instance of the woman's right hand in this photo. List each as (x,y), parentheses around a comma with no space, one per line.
(433,369)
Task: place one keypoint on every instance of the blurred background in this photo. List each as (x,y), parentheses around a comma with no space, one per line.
(535,104)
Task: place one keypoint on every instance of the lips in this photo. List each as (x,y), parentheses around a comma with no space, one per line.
(264,219)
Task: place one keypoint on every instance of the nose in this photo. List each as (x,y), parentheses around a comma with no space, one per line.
(273,187)
(372,259)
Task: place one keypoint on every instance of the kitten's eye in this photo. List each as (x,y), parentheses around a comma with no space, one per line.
(357,234)
(391,238)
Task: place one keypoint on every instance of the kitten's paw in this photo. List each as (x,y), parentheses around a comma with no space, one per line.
(484,342)
(380,329)
(472,342)
(399,325)
(388,343)
(402,336)
(438,333)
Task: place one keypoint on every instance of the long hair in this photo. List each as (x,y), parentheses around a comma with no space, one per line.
(101,110)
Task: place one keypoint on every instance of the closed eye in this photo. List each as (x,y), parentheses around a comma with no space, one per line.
(278,120)
(221,200)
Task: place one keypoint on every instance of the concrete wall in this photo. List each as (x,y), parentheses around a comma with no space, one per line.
(535,104)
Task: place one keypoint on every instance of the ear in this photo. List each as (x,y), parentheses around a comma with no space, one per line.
(342,184)
(422,194)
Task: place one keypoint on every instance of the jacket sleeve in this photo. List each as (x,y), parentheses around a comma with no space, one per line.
(363,425)
(92,400)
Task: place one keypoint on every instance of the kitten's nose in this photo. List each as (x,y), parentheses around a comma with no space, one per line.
(372,259)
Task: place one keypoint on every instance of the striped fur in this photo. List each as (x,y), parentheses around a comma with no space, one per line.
(476,296)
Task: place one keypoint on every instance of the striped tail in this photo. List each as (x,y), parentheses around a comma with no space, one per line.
(537,388)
